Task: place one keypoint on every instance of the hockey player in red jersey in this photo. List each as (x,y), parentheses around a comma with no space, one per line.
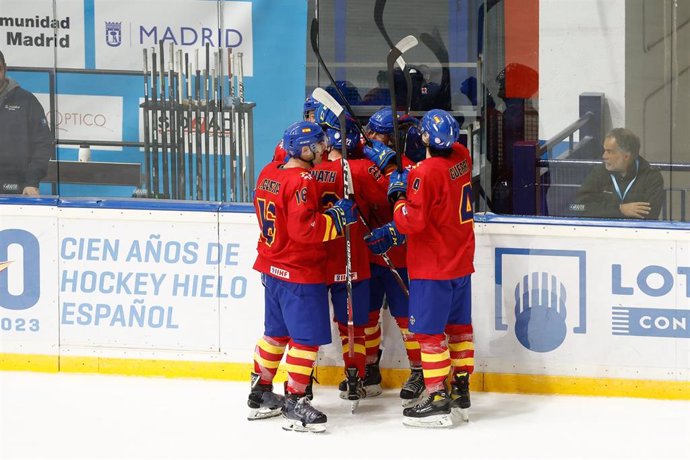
(380,130)
(433,211)
(370,190)
(310,105)
(292,262)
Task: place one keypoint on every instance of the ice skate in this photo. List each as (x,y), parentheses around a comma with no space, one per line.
(301,416)
(413,390)
(432,412)
(309,391)
(262,402)
(372,378)
(354,388)
(460,395)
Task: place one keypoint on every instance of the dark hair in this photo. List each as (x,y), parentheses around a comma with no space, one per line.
(445,153)
(2,58)
(627,140)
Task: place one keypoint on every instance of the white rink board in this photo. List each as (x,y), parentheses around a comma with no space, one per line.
(626,302)
(139,279)
(28,280)
(605,302)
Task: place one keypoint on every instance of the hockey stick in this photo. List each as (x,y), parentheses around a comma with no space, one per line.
(172,121)
(190,116)
(164,123)
(378,19)
(154,117)
(147,140)
(207,140)
(327,100)
(393,55)
(214,109)
(315,46)
(233,145)
(179,113)
(197,128)
(221,81)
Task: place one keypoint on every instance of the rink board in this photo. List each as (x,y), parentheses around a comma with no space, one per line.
(150,288)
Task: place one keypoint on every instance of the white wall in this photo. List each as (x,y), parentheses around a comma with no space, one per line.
(581,49)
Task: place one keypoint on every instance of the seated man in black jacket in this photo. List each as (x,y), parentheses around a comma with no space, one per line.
(625,186)
(26,143)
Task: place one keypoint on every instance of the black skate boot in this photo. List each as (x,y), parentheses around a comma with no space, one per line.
(301,416)
(412,391)
(262,402)
(309,391)
(432,412)
(460,394)
(354,391)
(372,378)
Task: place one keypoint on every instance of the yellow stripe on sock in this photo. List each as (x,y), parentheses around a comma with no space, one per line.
(436,357)
(303,354)
(297,369)
(463,362)
(274,349)
(462,346)
(430,373)
(373,343)
(265,362)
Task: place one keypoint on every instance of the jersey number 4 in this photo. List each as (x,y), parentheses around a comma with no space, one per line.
(267,220)
(466,213)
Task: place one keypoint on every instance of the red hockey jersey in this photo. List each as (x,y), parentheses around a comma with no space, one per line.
(437,217)
(293,229)
(370,188)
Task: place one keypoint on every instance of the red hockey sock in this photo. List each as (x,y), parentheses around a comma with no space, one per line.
(267,355)
(300,363)
(461,346)
(372,336)
(411,345)
(435,361)
(359,357)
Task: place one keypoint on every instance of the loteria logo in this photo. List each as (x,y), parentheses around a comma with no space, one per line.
(542,305)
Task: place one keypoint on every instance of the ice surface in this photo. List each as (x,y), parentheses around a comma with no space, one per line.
(72,416)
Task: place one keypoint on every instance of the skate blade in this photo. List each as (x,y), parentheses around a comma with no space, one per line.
(262,413)
(295,425)
(354,404)
(433,421)
(373,390)
(461,414)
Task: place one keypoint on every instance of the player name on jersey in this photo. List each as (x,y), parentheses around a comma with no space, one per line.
(458,169)
(270,186)
(324,176)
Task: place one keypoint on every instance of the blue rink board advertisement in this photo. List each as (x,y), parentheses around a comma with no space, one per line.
(28,280)
(578,301)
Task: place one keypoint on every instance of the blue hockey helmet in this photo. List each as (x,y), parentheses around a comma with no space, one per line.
(415,149)
(351,134)
(302,134)
(310,105)
(381,121)
(439,129)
